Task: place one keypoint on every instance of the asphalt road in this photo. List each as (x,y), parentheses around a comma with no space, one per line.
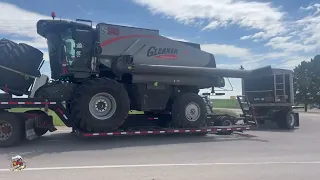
(264,154)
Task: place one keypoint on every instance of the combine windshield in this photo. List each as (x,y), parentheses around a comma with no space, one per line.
(69,46)
(61,48)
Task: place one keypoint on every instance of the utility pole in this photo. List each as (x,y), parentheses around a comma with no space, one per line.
(242,82)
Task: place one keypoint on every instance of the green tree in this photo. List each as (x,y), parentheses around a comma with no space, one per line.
(315,78)
(307,82)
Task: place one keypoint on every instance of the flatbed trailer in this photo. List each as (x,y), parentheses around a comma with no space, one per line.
(30,124)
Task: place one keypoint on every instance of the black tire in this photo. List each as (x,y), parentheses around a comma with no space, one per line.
(39,131)
(20,57)
(80,108)
(16,131)
(179,117)
(285,119)
(225,121)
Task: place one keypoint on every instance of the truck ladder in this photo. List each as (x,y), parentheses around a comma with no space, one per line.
(248,111)
(279,87)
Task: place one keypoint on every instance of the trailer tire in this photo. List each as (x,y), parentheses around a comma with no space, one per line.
(225,120)
(189,111)
(285,119)
(16,124)
(39,131)
(114,105)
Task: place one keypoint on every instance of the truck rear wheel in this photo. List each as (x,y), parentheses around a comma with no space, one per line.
(100,105)
(10,129)
(189,111)
(285,119)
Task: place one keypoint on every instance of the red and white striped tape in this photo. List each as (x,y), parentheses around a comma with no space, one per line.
(165,131)
(26,103)
(62,114)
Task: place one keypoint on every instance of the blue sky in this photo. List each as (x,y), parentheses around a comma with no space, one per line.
(251,33)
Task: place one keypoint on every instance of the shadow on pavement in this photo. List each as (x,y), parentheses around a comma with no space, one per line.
(271,127)
(67,142)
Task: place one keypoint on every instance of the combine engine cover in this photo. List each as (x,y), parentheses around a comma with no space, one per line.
(148,47)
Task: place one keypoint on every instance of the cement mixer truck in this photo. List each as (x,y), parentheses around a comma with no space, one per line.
(98,75)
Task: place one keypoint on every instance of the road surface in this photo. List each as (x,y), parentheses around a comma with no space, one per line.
(265,154)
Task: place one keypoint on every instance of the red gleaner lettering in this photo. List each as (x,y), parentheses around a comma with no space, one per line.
(113,31)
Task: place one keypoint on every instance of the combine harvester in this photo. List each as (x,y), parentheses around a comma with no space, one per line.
(102,73)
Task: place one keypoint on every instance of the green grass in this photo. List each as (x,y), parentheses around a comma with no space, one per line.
(226,111)
(56,119)
(218,103)
(226,103)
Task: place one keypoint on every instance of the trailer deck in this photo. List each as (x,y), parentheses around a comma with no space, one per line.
(34,123)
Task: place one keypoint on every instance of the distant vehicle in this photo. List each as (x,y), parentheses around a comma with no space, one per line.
(315,106)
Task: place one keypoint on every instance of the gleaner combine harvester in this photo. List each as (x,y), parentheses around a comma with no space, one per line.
(99,74)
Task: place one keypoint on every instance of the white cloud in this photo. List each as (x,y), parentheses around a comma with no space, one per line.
(18,22)
(18,25)
(310,29)
(303,35)
(226,50)
(246,37)
(252,15)
(176,38)
(284,43)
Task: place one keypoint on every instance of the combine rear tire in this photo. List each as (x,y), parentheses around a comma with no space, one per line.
(189,111)
(10,129)
(100,105)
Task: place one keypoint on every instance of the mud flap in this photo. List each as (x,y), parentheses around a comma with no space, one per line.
(29,129)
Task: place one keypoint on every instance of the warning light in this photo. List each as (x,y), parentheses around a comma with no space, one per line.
(53,15)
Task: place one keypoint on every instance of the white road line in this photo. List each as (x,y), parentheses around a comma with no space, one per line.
(160,165)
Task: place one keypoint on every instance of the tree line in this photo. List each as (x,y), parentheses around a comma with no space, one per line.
(307,82)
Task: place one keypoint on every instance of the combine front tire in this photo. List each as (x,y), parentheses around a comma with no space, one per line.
(100,105)
(10,129)
(189,111)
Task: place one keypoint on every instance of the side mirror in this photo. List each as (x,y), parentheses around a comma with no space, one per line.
(221,82)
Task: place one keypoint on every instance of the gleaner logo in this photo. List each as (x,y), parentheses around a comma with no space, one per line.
(163,53)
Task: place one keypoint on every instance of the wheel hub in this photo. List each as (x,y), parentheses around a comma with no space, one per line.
(102,106)
(5,130)
(192,112)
